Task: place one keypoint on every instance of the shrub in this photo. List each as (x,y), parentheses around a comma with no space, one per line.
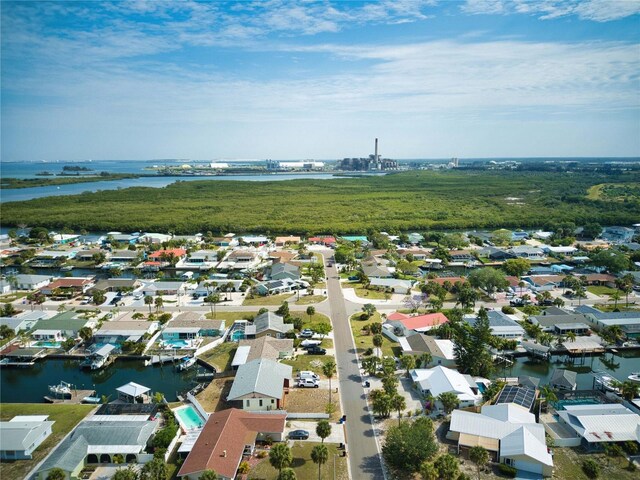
(244,467)
(591,468)
(261,454)
(507,470)
(508,310)
(368,351)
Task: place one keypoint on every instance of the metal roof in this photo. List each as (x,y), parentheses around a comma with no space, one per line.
(20,434)
(133,389)
(260,376)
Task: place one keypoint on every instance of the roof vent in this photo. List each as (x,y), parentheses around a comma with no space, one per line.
(224,453)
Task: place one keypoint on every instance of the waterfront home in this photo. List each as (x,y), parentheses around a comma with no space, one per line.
(68,287)
(356,238)
(519,236)
(31,282)
(226,438)
(117,285)
(508,432)
(438,380)
(98,440)
(163,288)
(226,241)
(51,258)
(563,379)
(24,321)
(201,258)
(87,255)
(268,324)
(406,325)
(154,238)
(395,285)
(191,326)
(69,323)
(496,254)
(63,238)
(261,384)
(594,425)
(119,237)
(282,241)
(326,241)
(562,323)
(629,322)
(416,253)
(501,325)
(264,347)
(282,271)
(461,256)
(568,250)
(118,331)
(528,252)
(133,392)
(47,335)
(255,239)
(22,435)
(124,256)
(167,257)
(441,350)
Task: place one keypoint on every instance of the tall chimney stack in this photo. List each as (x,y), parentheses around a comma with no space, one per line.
(376,153)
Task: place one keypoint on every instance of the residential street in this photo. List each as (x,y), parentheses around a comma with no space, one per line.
(364,456)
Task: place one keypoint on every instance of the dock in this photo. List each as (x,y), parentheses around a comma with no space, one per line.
(76,397)
(162,359)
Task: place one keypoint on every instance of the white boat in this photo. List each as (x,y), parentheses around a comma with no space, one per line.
(634,377)
(93,400)
(185,363)
(63,388)
(66,268)
(607,382)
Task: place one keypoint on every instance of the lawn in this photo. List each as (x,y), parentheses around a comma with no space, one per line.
(267,300)
(311,299)
(313,400)
(66,418)
(364,341)
(304,466)
(363,292)
(220,357)
(12,297)
(603,290)
(568,464)
(302,361)
(213,397)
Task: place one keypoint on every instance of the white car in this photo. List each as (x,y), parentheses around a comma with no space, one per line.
(306,333)
(307,374)
(307,383)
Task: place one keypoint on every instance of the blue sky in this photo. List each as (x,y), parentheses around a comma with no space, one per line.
(309,79)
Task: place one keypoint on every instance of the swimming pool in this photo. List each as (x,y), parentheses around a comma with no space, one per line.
(176,344)
(188,418)
(237,336)
(481,387)
(577,401)
(47,344)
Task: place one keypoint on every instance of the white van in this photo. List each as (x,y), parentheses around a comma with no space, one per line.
(307,383)
(306,374)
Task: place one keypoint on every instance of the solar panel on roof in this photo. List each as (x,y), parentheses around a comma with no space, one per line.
(522,396)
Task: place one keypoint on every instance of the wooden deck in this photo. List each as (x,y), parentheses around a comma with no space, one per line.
(76,397)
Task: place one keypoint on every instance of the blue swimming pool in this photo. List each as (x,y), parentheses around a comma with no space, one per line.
(237,336)
(577,401)
(188,418)
(47,344)
(176,344)
(481,387)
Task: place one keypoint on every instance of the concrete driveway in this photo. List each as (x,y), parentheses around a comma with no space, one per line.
(337,431)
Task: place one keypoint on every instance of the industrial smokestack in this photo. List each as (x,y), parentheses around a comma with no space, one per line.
(376,152)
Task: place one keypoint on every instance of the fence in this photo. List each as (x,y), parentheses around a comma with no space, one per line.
(292,416)
(214,344)
(197,406)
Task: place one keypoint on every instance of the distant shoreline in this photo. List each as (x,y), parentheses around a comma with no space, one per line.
(47,181)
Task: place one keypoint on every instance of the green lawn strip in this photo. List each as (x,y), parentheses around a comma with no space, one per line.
(12,297)
(221,356)
(66,417)
(301,361)
(364,341)
(372,294)
(310,299)
(603,290)
(267,300)
(304,466)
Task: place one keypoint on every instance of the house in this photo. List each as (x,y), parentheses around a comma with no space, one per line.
(167,256)
(68,287)
(117,332)
(560,250)
(519,236)
(356,238)
(438,380)
(375,270)
(163,288)
(227,436)
(264,347)
(5,287)
(51,258)
(241,259)
(282,241)
(281,271)
(276,287)
(87,255)
(406,325)
(154,238)
(629,322)
(326,241)
(119,237)
(190,325)
(268,324)
(24,321)
(441,350)
(415,238)
(97,440)
(255,239)
(31,282)
(528,252)
(202,258)
(416,253)
(394,284)
(212,284)
(47,335)
(124,256)
(22,435)
(501,325)
(541,283)
(69,323)
(508,431)
(594,425)
(117,285)
(461,256)
(498,254)
(63,238)
(618,234)
(261,384)
(560,322)
(563,379)
(282,256)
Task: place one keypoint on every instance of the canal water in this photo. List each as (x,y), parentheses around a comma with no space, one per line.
(30,385)
(619,365)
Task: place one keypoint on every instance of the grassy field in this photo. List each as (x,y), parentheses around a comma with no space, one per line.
(602,290)
(66,418)
(313,400)
(221,356)
(363,292)
(302,361)
(12,297)
(310,299)
(267,300)
(304,466)
(212,397)
(364,341)
(65,180)
(568,464)
(419,200)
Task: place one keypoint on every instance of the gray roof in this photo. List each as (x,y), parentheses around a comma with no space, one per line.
(261,376)
(527,381)
(283,267)
(24,278)
(271,321)
(564,378)
(20,435)
(75,447)
(551,320)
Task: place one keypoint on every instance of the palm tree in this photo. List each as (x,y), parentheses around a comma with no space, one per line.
(548,394)
(158,303)
(212,300)
(629,390)
(378,340)
(425,358)
(286,474)
(329,370)
(398,403)
(571,336)
(148,300)
(615,296)
(480,457)
(311,311)
(280,456)
(320,455)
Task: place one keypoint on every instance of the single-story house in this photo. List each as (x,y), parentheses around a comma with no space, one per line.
(31,282)
(69,323)
(494,253)
(394,284)
(406,325)
(168,254)
(462,256)
(163,288)
(154,238)
(539,283)
(437,380)
(5,287)
(48,335)
(87,255)
(416,253)
(123,256)
(213,284)
(69,287)
(562,320)
(282,241)
(356,238)
(531,253)
(617,234)
(255,239)
(519,235)
(24,321)
(227,436)
(130,238)
(208,258)
(241,259)
(376,270)
(276,287)
(117,285)
(509,432)
(182,327)
(264,347)
(560,250)
(441,350)
(563,379)
(282,271)
(52,257)
(326,241)
(268,324)
(261,384)
(96,441)
(629,322)
(22,435)
(501,325)
(117,332)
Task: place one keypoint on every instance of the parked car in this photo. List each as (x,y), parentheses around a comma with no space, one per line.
(315,350)
(307,383)
(519,302)
(308,374)
(306,344)
(298,434)
(306,333)
(546,303)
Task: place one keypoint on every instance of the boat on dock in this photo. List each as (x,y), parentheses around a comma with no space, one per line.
(634,377)
(62,389)
(161,359)
(606,382)
(92,400)
(186,363)
(99,358)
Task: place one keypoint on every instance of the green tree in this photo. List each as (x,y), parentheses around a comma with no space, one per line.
(370,365)
(380,403)
(410,444)
(408,362)
(489,279)
(329,370)
(480,457)
(212,300)
(128,473)
(390,384)
(158,302)
(311,310)
(591,468)
(450,401)
(548,393)
(369,309)
(320,455)
(425,359)
(629,390)
(287,474)
(447,466)
(398,403)
(378,340)
(85,334)
(148,300)
(156,469)
(592,230)
(56,474)
(280,456)
(99,297)
(516,266)
(615,296)
(209,475)
(323,429)
(283,310)
(613,260)
(322,328)
(428,471)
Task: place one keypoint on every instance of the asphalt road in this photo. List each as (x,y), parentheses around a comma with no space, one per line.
(364,457)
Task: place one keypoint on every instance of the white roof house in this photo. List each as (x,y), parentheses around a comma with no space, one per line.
(601,423)
(21,435)
(508,430)
(440,379)
(398,285)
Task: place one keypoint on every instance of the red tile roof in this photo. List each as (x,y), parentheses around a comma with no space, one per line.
(221,443)
(325,240)
(419,321)
(69,283)
(177,252)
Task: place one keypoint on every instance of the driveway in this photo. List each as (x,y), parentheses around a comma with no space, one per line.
(337,431)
